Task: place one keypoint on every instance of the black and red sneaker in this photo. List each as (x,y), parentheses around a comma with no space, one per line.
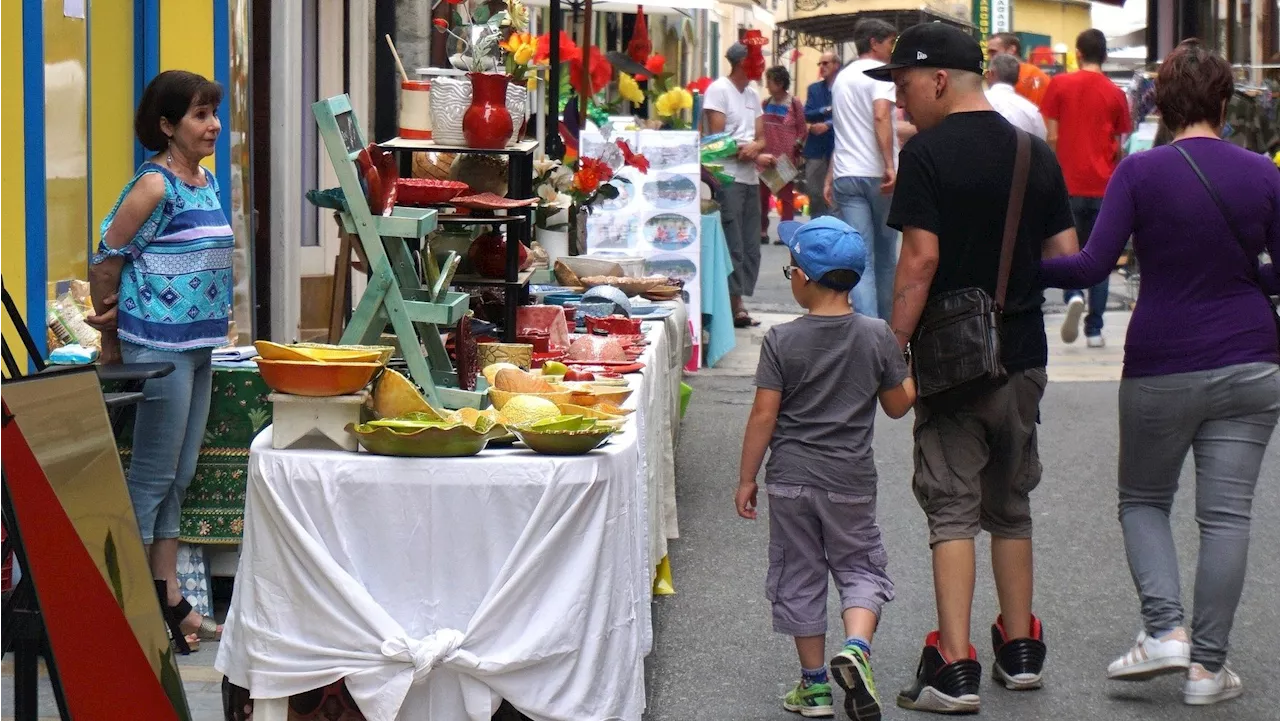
(1019,662)
(943,686)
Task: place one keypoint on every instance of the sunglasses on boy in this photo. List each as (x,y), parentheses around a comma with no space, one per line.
(787,270)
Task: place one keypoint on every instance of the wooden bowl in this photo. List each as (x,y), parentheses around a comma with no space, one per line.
(316,378)
(501,398)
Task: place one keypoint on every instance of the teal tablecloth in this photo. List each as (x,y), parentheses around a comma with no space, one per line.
(717,316)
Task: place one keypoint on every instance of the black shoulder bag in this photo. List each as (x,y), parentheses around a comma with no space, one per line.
(1235,231)
(956,346)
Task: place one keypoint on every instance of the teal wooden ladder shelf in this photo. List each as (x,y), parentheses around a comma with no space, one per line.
(395,293)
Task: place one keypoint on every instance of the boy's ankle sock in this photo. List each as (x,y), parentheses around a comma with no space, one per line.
(810,676)
(860,643)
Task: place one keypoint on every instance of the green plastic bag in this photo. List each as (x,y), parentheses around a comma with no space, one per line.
(686,392)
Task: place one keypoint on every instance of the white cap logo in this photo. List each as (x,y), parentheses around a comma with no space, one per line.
(921,56)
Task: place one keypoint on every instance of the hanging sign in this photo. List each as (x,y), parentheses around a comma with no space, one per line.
(992,16)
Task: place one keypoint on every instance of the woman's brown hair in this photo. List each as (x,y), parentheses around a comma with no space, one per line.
(1192,85)
(169,95)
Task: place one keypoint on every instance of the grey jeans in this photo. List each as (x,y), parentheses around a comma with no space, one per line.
(1226,417)
(815,180)
(740,216)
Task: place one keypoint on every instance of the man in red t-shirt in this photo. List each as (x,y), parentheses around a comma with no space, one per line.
(1086,117)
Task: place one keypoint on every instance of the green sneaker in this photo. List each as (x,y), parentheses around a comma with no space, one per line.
(810,701)
(852,670)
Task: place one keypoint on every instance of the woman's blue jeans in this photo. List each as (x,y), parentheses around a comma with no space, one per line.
(167,436)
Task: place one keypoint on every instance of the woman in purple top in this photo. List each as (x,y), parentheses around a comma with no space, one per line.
(1200,366)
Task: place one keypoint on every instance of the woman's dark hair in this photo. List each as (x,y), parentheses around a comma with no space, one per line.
(779,75)
(1092,45)
(169,95)
(1192,85)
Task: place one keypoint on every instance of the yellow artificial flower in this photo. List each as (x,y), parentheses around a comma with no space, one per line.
(673,101)
(629,89)
(517,16)
(521,46)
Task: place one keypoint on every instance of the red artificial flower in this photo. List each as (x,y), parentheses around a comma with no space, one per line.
(455,2)
(441,23)
(594,169)
(586,180)
(568,50)
(699,86)
(599,70)
(635,160)
(655,64)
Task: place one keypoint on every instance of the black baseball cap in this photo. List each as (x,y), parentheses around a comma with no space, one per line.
(932,45)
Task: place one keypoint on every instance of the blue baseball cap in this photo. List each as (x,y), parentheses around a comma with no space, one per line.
(823,245)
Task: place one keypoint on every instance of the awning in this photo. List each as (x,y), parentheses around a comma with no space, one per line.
(839,28)
(653,7)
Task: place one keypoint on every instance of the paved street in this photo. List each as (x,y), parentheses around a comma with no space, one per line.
(716,657)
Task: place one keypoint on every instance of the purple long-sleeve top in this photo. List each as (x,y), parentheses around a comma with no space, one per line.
(1198,306)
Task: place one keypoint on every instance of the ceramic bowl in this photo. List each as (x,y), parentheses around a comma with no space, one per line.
(609,294)
(384,351)
(561,298)
(428,442)
(597,310)
(571,443)
(326,354)
(501,398)
(600,394)
(316,378)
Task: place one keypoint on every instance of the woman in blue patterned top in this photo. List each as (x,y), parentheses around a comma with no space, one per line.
(161,286)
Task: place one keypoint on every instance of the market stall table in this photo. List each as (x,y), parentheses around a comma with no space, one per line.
(437,587)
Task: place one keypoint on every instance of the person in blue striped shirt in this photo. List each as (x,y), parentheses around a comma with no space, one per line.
(161,285)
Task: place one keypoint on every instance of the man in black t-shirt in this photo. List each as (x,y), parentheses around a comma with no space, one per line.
(976,459)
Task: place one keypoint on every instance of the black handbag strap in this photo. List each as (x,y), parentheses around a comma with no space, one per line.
(1013,216)
(1222,208)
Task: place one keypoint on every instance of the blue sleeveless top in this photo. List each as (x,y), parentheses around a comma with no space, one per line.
(176,285)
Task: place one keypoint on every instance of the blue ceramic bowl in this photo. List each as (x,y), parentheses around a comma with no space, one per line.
(561,298)
(608,294)
(595,310)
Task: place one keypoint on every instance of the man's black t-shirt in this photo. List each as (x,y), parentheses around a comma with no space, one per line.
(954,181)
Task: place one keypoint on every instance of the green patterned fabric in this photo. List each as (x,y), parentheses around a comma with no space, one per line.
(213,511)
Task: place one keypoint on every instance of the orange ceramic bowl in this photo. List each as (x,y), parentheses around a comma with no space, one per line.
(317,379)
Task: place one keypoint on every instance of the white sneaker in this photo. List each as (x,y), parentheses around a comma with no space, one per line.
(1071,324)
(1096,341)
(1151,657)
(1204,687)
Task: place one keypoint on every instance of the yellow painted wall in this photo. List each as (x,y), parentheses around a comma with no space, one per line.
(1062,21)
(186,42)
(111,107)
(13,227)
(66,144)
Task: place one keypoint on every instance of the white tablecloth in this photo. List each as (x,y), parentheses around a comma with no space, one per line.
(437,587)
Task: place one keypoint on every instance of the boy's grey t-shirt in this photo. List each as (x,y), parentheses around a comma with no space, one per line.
(829,370)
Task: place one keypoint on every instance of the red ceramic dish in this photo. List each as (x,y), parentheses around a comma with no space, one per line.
(604,369)
(541,359)
(614,325)
(489,201)
(428,191)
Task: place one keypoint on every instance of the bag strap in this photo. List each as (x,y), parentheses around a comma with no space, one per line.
(1222,208)
(1013,217)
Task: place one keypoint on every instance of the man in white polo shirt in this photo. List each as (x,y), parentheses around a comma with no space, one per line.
(863,168)
(733,106)
(1002,76)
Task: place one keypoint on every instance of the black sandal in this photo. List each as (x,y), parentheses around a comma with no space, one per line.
(174,616)
(742,320)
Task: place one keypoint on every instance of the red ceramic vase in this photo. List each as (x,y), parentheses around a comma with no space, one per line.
(487,124)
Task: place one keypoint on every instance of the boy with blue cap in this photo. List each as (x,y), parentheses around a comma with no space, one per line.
(817,385)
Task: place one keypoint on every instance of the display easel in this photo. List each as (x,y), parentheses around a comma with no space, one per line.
(395,293)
